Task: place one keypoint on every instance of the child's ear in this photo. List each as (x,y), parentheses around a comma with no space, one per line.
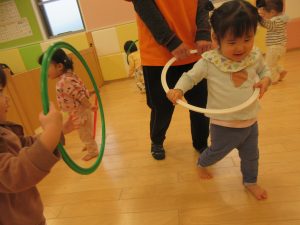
(60,66)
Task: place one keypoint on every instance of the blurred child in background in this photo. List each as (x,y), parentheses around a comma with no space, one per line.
(6,69)
(275,21)
(135,67)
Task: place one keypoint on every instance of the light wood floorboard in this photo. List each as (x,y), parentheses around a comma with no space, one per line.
(131,188)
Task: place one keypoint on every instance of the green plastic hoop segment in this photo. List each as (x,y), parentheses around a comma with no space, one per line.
(45,102)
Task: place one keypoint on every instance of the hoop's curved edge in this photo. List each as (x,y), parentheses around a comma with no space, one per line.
(249,101)
(45,101)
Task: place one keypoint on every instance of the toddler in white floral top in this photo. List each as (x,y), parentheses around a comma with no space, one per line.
(231,71)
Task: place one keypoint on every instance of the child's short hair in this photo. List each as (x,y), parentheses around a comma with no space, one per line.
(59,56)
(130,47)
(237,16)
(260,3)
(269,5)
(3,79)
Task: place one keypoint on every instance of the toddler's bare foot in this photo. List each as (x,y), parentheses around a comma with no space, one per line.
(89,156)
(282,75)
(203,173)
(258,192)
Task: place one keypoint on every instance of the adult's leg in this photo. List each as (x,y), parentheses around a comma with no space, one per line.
(161,108)
(197,96)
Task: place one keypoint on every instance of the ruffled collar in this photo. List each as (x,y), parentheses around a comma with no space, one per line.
(226,65)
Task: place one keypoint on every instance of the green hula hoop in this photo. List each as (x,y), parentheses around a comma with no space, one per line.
(45,102)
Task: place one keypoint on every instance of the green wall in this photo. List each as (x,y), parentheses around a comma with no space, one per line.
(25,10)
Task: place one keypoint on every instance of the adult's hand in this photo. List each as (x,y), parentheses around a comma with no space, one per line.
(203,46)
(181,52)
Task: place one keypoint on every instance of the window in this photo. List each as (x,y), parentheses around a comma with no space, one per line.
(61,16)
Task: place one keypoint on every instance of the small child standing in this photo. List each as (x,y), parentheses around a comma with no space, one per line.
(135,67)
(73,97)
(275,21)
(24,162)
(231,72)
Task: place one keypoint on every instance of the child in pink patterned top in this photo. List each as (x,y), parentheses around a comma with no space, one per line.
(73,98)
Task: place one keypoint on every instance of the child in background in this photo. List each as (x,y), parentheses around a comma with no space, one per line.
(24,162)
(135,67)
(275,21)
(73,98)
(231,70)
(6,69)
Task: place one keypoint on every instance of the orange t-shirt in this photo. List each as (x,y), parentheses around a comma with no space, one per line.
(181,18)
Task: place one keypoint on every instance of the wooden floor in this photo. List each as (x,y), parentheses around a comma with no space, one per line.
(131,188)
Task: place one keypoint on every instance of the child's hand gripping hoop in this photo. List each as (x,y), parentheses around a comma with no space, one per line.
(45,101)
(248,102)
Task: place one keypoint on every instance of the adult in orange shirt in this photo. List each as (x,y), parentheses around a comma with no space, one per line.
(170,28)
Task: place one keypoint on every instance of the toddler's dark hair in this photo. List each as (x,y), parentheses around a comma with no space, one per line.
(269,5)
(59,56)
(237,16)
(130,47)
(260,3)
(3,79)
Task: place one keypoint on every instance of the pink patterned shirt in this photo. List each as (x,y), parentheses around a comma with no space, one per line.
(70,91)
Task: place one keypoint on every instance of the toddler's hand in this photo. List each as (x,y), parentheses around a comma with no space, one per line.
(263,85)
(53,120)
(174,94)
(94,108)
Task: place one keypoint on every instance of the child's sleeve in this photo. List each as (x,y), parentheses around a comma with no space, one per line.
(27,140)
(191,78)
(23,171)
(202,21)
(75,89)
(156,23)
(270,25)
